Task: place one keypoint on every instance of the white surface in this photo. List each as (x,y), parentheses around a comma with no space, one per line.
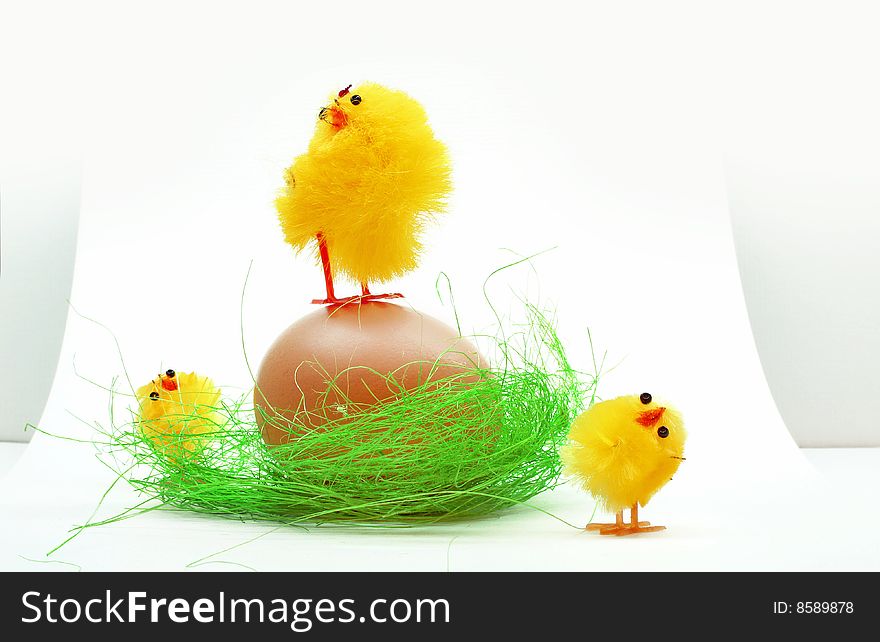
(803,175)
(817,523)
(10,453)
(594,138)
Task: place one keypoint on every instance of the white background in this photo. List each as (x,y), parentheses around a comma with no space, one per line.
(784,86)
(592,130)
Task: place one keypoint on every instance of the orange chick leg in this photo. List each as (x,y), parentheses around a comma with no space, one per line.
(620,528)
(328,273)
(328,282)
(602,528)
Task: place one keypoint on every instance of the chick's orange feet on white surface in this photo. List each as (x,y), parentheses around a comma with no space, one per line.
(621,528)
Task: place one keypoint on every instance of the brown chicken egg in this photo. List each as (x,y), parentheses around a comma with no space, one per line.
(341,358)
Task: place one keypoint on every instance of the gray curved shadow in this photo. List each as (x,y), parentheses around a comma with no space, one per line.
(808,245)
(39,213)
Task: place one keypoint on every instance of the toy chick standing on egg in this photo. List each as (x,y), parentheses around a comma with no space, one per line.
(373,176)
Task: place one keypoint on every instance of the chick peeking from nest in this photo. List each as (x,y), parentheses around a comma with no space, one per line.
(622,451)
(178,413)
(373,176)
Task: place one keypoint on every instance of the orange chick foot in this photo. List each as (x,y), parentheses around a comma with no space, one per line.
(603,528)
(620,528)
(629,529)
(358,298)
(379,297)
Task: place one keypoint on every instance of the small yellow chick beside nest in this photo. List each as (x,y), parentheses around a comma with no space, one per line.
(178,413)
(622,451)
(373,175)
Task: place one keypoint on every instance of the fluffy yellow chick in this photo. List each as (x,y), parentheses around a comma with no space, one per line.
(373,175)
(623,451)
(177,413)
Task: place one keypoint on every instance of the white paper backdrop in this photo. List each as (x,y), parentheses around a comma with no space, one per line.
(586,130)
(801,136)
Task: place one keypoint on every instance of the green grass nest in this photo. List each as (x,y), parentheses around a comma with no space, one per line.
(449,450)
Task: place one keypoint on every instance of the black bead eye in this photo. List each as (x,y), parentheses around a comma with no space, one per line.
(645,398)
(170,374)
(356,99)
(154,395)
(663,432)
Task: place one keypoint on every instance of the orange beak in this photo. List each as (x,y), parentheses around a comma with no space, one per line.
(168,383)
(649,418)
(333,116)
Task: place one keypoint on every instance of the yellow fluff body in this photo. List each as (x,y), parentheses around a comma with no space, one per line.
(178,413)
(616,453)
(373,175)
